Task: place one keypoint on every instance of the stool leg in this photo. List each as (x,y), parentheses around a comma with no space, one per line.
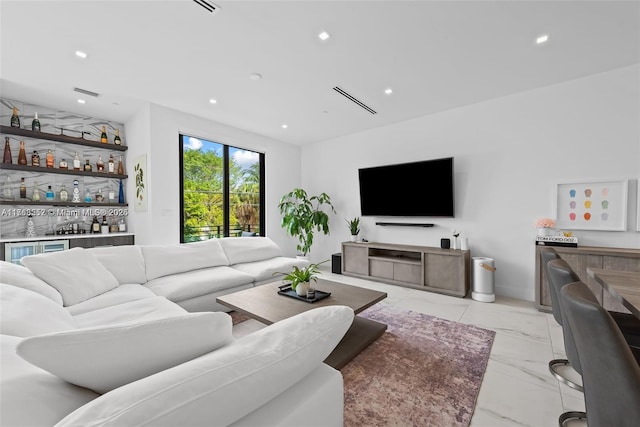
(571,415)
(553,368)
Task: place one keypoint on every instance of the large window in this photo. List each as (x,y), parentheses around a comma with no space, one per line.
(222,190)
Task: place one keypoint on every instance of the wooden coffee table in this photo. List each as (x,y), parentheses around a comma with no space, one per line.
(264,304)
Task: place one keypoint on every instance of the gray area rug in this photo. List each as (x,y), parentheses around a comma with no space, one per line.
(423,371)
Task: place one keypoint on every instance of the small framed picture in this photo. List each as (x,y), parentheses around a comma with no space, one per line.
(592,205)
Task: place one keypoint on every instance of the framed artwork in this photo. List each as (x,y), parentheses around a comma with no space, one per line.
(140,172)
(592,205)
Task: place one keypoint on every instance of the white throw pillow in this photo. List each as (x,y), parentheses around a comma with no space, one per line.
(105,358)
(21,277)
(248,249)
(75,273)
(24,313)
(124,262)
(163,260)
(226,385)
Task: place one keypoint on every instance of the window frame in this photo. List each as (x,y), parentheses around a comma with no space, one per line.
(225,185)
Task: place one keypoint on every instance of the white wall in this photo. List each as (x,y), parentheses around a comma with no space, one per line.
(509,154)
(157,133)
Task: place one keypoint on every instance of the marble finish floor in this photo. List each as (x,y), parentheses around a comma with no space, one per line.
(518,389)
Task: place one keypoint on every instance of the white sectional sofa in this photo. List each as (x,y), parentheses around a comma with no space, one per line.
(127,336)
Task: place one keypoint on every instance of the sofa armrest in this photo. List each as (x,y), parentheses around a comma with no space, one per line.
(225,385)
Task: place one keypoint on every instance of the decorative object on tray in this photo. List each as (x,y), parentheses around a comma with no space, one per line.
(545,226)
(354,228)
(302,215)
(311,296)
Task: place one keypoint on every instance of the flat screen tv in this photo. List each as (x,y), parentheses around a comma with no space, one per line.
(424,188)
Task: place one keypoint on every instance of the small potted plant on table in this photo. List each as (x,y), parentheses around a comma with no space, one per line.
(301,278)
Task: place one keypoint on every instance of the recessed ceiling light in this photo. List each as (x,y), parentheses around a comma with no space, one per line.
(542,39)
(81,101)
(256,76)
(81,54)
(324,35)
(285,126)
(213,101)
(388,91)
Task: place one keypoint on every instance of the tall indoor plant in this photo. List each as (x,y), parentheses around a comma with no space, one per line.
(302,215)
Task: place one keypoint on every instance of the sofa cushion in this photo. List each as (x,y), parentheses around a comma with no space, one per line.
(120,295)
(32,396)
(249,249)
(141,310)
(22,277)
(102,359)
(75,273)
(124,262)
(227,384)
(164,260)
(191,284)
(269,269)
(24,313)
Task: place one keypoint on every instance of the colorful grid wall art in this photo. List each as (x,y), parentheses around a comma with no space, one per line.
(594,205)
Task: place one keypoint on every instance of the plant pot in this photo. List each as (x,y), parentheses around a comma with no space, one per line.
(354,237)
(302,288)
(545,231)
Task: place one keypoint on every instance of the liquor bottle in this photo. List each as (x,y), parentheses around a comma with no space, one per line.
(22,155)
(111,166)
(116,139)
(121,193)
(30,231)
(76,192)
(95,225)
(35,124)
(112,195)
(50,159)
(99,196)
(103,135)
(64,194)
(49,194)
(15,120)
(122,226)
(100,164)
(35,197)
(23,189)
(35,159)
(63,164)
(120,166)
(104,227)
(8,189)
(87,165)
(113,228)
(76,162)
(87,196)
(6,158)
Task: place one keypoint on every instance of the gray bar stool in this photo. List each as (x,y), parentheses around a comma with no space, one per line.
(557,277)
(610,373)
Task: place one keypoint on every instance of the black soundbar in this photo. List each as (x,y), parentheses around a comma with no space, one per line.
(405,224)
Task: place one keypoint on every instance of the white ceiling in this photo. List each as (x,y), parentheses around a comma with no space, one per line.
(436,55)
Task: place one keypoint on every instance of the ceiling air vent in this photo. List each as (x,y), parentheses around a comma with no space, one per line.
(210,7)
(86,92)
(354,99)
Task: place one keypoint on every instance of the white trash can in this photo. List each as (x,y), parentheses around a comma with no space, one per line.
(483,279)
